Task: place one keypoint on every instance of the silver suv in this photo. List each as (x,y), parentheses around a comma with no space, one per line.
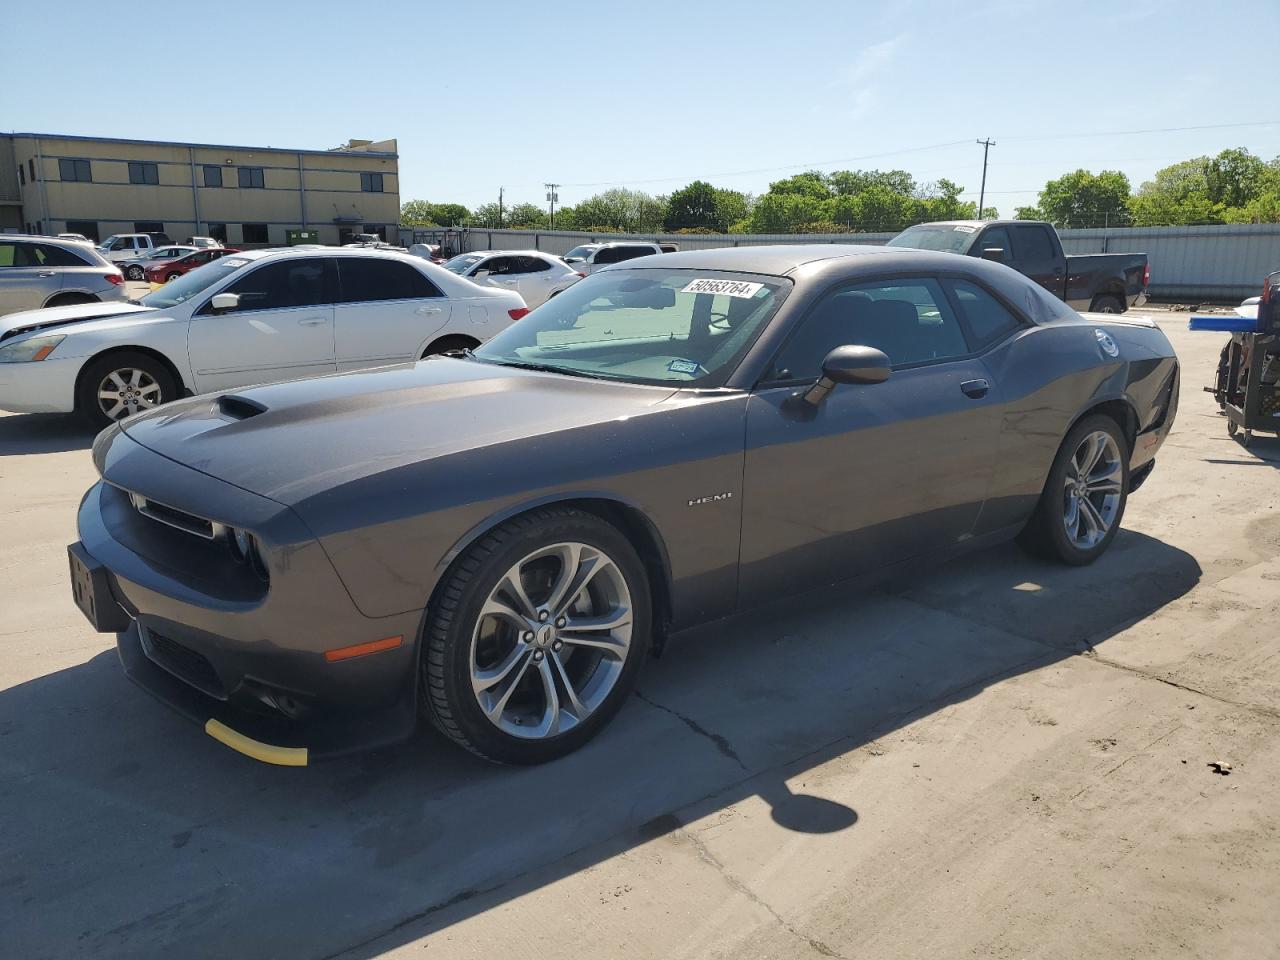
(589,256)
(49,272)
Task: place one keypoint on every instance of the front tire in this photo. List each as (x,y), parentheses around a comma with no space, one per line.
(1084,496)
(118,385)
(536,636)
(172,277)
(1107,303)
(134,273)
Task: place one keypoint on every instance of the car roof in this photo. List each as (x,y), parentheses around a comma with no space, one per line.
(508,253)
(777,259)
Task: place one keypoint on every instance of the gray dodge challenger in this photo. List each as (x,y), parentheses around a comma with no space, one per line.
(494,541)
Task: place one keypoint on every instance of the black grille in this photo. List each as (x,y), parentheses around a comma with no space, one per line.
(184,663)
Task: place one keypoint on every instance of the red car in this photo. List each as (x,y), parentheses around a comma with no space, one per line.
(164,272)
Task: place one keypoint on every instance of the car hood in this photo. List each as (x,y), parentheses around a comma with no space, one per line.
(28,320)
(290,441)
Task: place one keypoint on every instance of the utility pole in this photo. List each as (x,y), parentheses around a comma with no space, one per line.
(552,197)
(987,144)
(500,208)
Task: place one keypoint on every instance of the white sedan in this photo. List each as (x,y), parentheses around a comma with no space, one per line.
(535,275)
(248,318)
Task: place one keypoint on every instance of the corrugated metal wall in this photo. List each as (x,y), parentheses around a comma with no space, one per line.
(1223,262)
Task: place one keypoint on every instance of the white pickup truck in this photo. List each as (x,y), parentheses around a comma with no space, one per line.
(131,246)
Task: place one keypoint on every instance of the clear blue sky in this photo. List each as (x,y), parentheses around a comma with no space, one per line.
(652,95)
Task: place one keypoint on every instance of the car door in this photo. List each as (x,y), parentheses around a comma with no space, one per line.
(282,329)
(499,271)
(1036,256)
(876,474)
(386,311)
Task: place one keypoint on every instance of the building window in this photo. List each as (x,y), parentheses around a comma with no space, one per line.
(212,175)
(371,182)
(86,228)
(75,171)
(140,172)
(31,168)
(147,226)
(254,232)
(218,231)
(251,177)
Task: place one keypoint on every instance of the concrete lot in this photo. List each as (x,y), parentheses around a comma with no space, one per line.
(999,758)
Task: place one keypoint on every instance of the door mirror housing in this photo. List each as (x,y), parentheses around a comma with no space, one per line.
(993,253)
(223,302)
(852,364)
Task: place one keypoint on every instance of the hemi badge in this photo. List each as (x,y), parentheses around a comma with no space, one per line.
(711,498)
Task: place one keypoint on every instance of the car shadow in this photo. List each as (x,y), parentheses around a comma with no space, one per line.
(130,833)
(43,433)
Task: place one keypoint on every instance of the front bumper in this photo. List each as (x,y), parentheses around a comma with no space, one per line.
(41,386)
(244,659)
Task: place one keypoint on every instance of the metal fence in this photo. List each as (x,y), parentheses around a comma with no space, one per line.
(1224,263)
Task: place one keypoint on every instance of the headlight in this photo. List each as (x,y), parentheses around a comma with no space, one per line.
(37,348)
(245,549)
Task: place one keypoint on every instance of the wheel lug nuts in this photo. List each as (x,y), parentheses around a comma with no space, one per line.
(537,655)
(527,637)
(544,615)
(557,645)
(561,621)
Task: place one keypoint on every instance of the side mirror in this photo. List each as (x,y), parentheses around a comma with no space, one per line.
(851,365)
(222,302)
(993,253)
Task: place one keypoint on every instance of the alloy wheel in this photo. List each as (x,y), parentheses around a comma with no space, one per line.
(1092,488)
(126,391)
(551,640)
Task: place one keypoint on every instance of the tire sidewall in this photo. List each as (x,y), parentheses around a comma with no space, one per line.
(554,526)
(1055,528)
(95,371)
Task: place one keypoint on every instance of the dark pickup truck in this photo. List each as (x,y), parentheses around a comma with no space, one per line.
(1101,282)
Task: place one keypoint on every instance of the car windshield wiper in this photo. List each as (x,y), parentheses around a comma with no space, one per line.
(540,367)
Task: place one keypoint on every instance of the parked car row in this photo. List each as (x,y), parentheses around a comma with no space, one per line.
(494,539)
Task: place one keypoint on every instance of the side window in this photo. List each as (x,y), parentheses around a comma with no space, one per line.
(277,286)
(1034,245)
(368,279)
(630,253)
(499,266)
(996,237)
(989,320)
(9,255)
(51,256)
(608,255)
(533,265)
(910,320)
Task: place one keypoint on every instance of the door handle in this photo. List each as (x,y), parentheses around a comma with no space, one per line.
(977,389)
(45,275)
(427,311)
(313,321)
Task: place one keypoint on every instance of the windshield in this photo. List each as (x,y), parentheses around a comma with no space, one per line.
(578,254)
(193,283)
(947,237)
(679,327)
(460,264)
(106,244)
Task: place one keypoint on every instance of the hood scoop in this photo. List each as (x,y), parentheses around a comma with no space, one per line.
(239,408)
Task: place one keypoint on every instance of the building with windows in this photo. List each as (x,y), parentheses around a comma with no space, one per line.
(97,186)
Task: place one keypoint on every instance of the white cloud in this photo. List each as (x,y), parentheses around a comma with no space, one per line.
(860,79)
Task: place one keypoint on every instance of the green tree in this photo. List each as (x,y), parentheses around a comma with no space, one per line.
(527,216)
(1028,213)
(731,206)
(619,211)
(425,213)
(1085,199)
(693,206)
(1233,177)
(941,201)
(812,184)
(486,215)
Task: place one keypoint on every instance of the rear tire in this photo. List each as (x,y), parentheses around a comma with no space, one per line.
(1107,303)
(489,679)
(171,277)
(135,273)
(71,299)
(136,382)
(447,344)
(1078,515)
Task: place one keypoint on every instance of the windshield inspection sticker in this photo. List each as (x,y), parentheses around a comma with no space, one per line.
(685,366)
(729,288)
(963,228)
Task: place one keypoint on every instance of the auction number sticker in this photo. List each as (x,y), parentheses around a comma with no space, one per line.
(963,228)
(728,288)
